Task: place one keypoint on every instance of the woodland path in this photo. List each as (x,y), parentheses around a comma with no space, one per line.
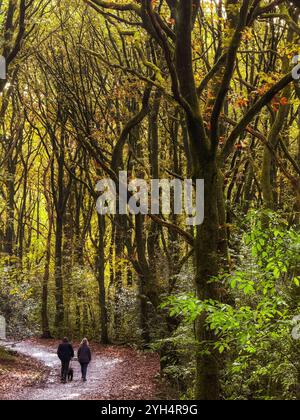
(115,373)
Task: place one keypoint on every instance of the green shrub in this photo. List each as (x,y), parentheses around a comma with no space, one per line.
(256,329)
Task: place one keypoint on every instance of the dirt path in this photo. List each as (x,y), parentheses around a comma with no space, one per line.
(114,373)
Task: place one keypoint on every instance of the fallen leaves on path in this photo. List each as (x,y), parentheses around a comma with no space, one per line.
(116,373)
(19,372)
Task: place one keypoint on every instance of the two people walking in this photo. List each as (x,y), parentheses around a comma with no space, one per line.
(65,353)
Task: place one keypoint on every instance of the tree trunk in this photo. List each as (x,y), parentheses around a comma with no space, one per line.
(101,281)
(10,202)
(207,266)
(59,317)
(44,310)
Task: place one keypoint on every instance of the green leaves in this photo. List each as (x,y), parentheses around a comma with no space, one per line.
(261,286)
(297,281)
(187,306)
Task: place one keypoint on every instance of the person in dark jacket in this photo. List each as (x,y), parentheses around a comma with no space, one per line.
(84,357)
(65,353)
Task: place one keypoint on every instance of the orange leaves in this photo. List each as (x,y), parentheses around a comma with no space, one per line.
(266,82)
(171,21)
(242,102)
(222,140)
(263,89)
(239,146)
(277,102)
(284,101)
(153,3)
(19,373)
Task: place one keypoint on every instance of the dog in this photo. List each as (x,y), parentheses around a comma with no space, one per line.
(70,374)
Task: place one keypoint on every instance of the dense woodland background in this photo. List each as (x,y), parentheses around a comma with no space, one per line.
(162,89)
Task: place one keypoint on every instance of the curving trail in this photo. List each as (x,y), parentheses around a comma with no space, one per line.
(115,373)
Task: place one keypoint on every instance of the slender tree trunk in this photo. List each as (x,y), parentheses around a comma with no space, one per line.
(267,184)
(120,226)
(44,310)
(101,281)
(21,224)
(297,201)
(10,202)
(59,317)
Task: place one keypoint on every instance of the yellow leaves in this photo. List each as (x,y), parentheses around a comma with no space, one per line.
(247,34)
(198,77)
(269,78)
(232,9)
(229,32)
(288,50)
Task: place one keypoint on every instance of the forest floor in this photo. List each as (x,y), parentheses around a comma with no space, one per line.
(115,373)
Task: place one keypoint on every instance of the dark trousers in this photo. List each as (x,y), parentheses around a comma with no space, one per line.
(84,367)
(65,369)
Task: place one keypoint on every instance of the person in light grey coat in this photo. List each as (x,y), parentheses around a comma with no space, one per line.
(84,357)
